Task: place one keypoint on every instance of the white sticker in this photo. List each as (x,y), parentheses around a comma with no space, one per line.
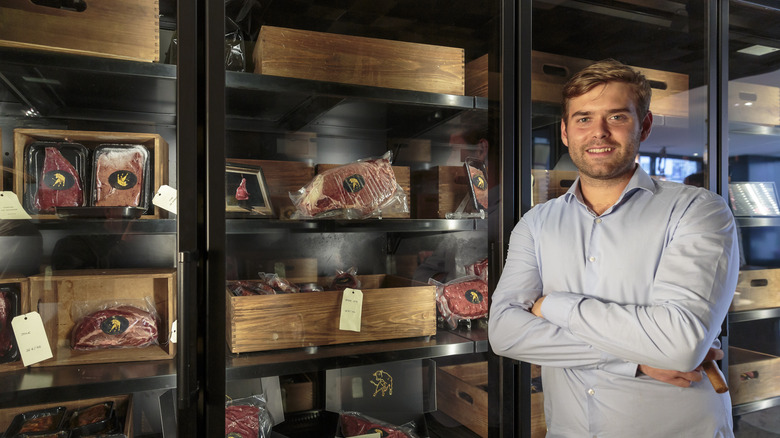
(10,207)
(31,338)
(173,331)
(166,198)
(351,310)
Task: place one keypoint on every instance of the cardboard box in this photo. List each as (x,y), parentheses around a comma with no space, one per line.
(157,146)
(549,72)
(393,308)
(402,177)
(106,28)
(461,393)
(438,191)
(59,297)
(752,103)
(753,375)
(757,289)
(123,408)
(359,60)
(282,178)
(21,285)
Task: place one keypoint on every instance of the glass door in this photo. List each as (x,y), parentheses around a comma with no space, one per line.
(88,274)
(357,155)
(753,108)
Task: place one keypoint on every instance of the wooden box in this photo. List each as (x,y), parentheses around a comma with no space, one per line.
(438,191)
(297,393)
(753,375)
(461,393)
(22,285)
(402,177)
(549,72)
(359,60)
(757,289)
(752,103)
(58,295)
(550,184)
(107,28)
(158,158)
(393,308)
(477,77)
(123,408)
(282,178)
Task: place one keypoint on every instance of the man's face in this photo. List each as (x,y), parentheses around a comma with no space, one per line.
(603,132)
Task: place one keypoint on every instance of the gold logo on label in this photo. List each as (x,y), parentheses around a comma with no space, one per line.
(122,179)
(383,383)
(59,180)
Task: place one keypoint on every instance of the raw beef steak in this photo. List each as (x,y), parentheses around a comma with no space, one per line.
(119,176)
(115,327)
(59,184)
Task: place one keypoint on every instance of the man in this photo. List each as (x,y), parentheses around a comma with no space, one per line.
(619,287)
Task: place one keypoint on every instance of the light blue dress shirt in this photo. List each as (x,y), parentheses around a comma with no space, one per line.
(647,282)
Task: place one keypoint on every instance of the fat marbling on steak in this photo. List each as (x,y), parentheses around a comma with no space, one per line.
(59,184)
(115,327)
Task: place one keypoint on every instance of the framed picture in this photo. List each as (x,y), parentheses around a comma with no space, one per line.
(246,191)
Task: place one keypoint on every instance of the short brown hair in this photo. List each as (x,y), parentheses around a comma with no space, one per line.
(601,72)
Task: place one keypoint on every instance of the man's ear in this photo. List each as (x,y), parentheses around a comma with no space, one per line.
(564,135)
(647,126)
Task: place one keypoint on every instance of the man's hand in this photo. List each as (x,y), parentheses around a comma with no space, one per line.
(679,378)
(537,309)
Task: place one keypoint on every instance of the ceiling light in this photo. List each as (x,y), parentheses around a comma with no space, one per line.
(758,50)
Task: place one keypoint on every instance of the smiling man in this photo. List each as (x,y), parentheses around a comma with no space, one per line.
(619,287)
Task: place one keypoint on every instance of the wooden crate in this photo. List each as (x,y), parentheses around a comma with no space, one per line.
(438,191)
(757,289)
(461,393)
(158,158)
(282,178)
(359,60)
(22,284)
(549,72)
(752,103)
(550,184)
(477,77)
(753,375)
(297,393)
(106,28)
(402,177)
(393,308)
(123,407)
(56,295)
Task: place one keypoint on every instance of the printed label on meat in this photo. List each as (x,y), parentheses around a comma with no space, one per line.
(354,183)
(58,180)
(382,433)
(234,435)
(122,180)
(473,296)
(479,182)
(114,325)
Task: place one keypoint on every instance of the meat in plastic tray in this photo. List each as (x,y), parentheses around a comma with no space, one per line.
(42,420)
(56,173)
(120,176)
(9,308)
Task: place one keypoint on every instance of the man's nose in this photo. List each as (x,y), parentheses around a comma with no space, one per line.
(600,128)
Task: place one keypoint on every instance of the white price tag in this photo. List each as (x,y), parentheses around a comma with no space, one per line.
(166,198)
(174,336)
(31,338)
(351,310)
(10,207)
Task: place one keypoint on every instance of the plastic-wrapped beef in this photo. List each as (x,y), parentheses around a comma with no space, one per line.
(120,176)
(359,189)
(464,298)
(357,424)
(120,326)
(480,269)
(9,308)
(59,183)
(345,279)
(247,418)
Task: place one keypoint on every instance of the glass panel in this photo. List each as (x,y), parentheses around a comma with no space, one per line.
(357,160)
(666,41)
(754,171)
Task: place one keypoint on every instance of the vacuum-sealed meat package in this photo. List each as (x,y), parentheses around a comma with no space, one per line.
(57,176)
(480,269)
(345,279)
(120,176)
(356,190)
(9,308)
(247,418)
(116,326)
(464,298)
(357,424)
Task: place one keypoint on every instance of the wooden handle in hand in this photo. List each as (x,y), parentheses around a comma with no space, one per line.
(715,376)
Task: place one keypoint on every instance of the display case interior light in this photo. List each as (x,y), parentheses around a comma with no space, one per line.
(758,50)
(754,199)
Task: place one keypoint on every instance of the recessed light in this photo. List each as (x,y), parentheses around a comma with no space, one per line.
(758,50)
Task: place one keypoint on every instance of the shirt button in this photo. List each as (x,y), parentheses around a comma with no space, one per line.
(591,259)
(598,220)
(591,392)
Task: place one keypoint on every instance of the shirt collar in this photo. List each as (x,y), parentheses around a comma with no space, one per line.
(640,180)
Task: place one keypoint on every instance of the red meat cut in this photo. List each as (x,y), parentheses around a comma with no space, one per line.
(115,327)
(59,184)
(359,424)
(242,194)
(463,300)
(119,176)
(362,185)
(242,420)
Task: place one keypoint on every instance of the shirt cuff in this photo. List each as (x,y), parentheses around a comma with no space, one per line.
(557,307)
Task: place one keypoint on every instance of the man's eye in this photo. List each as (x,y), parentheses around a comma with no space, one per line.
(619,117)
(583,119)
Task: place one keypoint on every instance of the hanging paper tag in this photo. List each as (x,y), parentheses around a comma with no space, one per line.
(10,208)
(174,335)
(166,198)
(31,338)
(351,310)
